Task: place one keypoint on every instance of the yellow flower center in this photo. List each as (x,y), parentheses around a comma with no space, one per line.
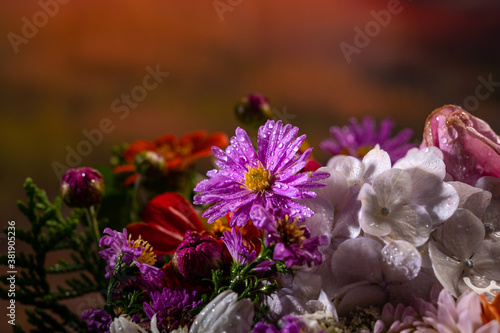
(363,150)
(289,232)
(218,227)
(257,179)
(147,256)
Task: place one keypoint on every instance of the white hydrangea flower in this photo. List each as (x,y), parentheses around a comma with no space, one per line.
(427,172)
(387,209)
(357,172)
(461,251)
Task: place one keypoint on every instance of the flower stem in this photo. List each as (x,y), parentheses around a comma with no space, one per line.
(92,221)
(134,207)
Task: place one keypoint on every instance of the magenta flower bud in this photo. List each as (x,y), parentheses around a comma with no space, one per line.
(197,255)
(82,187)
(470,147)
(150,164)
(253,110)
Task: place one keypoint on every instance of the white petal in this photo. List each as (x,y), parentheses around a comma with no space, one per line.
(422,160)
(462,234)
(439,199)
(393,188)
(357,260)
(370,219)
(472,198)
(322,221)
(336,186)
(410,223)
(346,219)
(362,296)
(401,261)
(448,271)
(123,325)
(225,314)
(349,166)
(375,162)
(487,260)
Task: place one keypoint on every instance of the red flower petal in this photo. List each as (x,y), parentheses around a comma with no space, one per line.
(166,218)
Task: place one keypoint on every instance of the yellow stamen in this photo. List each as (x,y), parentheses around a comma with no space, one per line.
(147,256)
(257,179)
(218,227)
(289,232)
(363,150)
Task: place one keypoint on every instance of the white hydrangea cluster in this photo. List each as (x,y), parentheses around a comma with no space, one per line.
(396,231)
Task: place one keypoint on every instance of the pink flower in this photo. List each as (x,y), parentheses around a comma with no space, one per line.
(470,147)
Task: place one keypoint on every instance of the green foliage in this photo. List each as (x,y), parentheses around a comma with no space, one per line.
(51,232)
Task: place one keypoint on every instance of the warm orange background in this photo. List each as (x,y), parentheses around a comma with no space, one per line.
(65,78)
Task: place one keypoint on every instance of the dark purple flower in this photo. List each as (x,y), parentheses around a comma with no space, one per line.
(98,320)
(172,307)
(294,244)
(82,187)
(234,243)
(268,177)
(197,255)
(358,139)
(117,244)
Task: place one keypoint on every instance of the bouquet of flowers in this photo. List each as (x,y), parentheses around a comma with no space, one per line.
(386,237)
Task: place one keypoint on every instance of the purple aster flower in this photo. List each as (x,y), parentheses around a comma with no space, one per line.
(294,244)
(98,320)
(117,244)
(152,277)
(234,244)
(172,307)
(268,177)
(197,255)
(82,187)
(358,139)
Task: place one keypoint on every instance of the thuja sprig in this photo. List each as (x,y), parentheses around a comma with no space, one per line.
(50,232)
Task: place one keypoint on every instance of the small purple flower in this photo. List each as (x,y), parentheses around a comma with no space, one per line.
(82,187)
(98,320)
(239,252)
(294,244)
(268,177)
(152,276)
(117,244)
(358,139)
(197,255)
(172,307)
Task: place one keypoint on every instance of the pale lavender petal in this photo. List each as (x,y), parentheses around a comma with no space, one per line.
(462,234)
(448,271)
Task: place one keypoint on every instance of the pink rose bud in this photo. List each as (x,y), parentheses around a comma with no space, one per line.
(470,147)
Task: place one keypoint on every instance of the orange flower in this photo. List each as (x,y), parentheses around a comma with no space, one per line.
(177,153)
(491,311)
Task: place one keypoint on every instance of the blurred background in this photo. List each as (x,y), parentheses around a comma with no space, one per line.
(63,64)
